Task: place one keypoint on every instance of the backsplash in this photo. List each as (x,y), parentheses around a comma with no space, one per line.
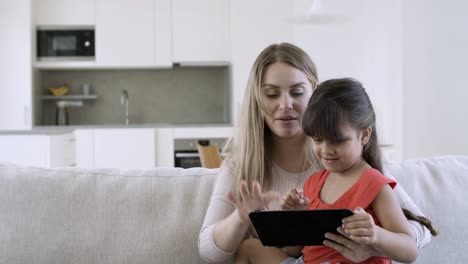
(181,95)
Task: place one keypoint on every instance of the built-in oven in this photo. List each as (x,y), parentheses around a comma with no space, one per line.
(186,152)
(65,43)
(187,158)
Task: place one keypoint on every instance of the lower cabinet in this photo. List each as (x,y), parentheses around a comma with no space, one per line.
(55,150)
(120,148)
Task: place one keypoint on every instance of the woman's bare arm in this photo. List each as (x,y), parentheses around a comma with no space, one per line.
(421,234)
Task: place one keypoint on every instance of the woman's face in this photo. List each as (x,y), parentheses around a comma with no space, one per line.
(285,93)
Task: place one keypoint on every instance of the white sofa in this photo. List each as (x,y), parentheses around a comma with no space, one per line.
(154,215)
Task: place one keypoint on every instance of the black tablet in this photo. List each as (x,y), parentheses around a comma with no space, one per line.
(296,227)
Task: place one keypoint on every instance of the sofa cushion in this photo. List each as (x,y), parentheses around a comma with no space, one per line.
(438,185)
(102,216)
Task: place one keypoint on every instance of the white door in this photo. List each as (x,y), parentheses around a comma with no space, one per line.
(15,65)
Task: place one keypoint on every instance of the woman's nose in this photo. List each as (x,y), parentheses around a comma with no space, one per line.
(286,102)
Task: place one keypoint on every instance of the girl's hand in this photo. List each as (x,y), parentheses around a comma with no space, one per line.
(357,230)
(351,250)
(249,202)
(294,199)
(360,227)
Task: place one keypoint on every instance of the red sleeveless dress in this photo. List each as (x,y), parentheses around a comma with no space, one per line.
(361,194)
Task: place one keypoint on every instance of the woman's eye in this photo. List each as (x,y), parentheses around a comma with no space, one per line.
(297,93)
(272,95)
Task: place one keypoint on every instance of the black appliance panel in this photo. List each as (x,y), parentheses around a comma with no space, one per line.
(65,43)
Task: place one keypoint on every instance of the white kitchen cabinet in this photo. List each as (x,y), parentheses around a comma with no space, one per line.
(124,32)
(64,12)
(15,65)
(133,33)
(121,148)
(162,33)
(57,150)
(62,150)
(201,31)
(84,148)
(165,147)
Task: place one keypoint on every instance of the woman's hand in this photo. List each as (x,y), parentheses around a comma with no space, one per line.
(294,199)
(249,202)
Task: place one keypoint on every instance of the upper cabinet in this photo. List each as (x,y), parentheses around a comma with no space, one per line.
(127,33)
(162,32)
(65,12)
(124,33)
(201,31)
(144,33)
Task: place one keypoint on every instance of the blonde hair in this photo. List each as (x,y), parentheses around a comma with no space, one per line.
(250,148)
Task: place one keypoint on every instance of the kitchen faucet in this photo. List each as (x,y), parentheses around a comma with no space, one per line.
(124,101)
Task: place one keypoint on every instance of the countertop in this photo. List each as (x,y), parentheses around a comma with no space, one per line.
(54,130)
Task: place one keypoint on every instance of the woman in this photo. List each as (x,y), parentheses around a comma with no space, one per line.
(271,152)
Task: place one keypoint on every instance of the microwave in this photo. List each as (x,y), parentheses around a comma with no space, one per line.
(65,44)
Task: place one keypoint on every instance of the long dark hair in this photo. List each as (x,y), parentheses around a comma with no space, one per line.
(340,101)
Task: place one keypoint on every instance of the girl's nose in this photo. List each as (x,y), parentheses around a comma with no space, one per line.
(327,148)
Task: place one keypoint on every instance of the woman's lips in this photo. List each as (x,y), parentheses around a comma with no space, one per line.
(287,121)
(286,118)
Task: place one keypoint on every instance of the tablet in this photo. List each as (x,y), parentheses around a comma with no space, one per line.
(296,227)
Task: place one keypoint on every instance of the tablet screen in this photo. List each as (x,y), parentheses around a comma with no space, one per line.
(296,227)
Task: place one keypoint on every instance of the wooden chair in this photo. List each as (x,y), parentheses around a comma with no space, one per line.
(209,154)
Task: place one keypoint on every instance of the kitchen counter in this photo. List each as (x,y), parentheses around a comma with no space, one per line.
(53,130)
(134,126)
(38,131)
(105,145)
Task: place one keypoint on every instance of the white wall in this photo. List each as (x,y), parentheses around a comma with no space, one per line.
(365,44)
(435,77)
(254,26)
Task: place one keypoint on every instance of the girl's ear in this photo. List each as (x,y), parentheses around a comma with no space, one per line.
(366,134)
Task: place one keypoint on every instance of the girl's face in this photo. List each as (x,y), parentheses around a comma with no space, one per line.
(341,156)
(285,93)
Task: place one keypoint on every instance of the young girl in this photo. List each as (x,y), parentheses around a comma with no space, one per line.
(340,120)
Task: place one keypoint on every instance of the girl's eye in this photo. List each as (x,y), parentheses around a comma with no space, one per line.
(339,142)
(317,140)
